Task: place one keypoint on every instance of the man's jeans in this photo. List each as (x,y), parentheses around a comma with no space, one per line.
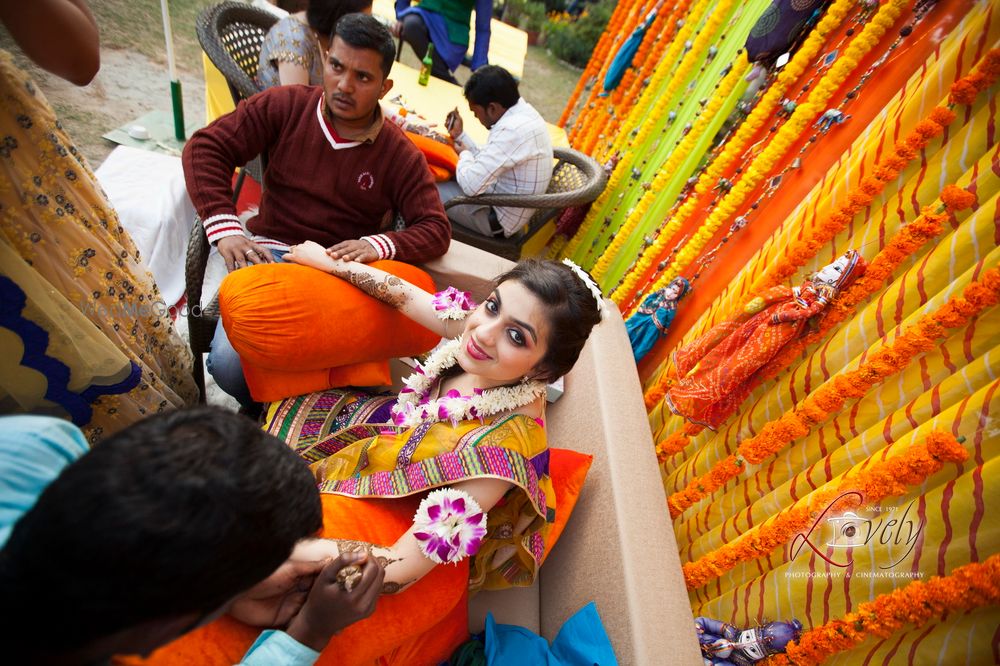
(223,362)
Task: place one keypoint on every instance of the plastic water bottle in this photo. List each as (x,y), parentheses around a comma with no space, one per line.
(425,66)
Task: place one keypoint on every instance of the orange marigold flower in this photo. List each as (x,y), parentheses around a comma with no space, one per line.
(928,129)
(990,66)
(871,186)
(885,173)
(897,163)
(860,199)
(962,92)
(956,198)
(942,116)
(904,151)
(915,141)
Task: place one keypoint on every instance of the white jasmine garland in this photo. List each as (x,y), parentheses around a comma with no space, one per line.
(414,405)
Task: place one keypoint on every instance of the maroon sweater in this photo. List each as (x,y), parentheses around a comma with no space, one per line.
(312,190)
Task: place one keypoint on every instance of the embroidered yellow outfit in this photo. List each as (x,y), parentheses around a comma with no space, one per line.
(85,334)
(354,451)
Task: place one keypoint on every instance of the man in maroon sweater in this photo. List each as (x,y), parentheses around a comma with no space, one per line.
(337,174)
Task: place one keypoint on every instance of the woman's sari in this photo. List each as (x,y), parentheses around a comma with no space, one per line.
(85,333)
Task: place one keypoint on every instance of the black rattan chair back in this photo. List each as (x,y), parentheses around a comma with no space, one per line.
(231,34)
(577,179)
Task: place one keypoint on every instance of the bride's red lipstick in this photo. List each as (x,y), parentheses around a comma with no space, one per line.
(475,351)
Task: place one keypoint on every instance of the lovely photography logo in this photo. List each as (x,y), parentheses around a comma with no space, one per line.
(128,310)
(890,532)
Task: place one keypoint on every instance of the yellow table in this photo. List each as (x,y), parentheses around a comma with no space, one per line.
(438,97)
(508,45)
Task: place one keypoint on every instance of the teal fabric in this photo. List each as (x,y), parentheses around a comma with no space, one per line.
(582,641)
(276,648)
(34,450)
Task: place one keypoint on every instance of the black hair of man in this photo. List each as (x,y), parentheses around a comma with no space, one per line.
(491,83)
(362,31)
(174,515)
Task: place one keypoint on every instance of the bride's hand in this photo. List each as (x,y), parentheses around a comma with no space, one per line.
(311,254)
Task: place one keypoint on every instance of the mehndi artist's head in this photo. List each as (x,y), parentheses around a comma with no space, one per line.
(149,534)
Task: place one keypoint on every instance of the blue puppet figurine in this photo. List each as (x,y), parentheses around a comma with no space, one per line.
(653,318)
(723,643)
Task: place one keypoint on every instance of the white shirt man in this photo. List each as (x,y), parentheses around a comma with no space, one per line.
(516,159)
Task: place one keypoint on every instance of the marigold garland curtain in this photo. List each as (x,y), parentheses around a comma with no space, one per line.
(953,387)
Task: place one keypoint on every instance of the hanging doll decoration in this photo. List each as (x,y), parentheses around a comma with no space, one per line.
(779,30)
(653,318)
(716,372)
(723,643)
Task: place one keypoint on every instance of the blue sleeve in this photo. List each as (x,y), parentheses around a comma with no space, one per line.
(34,450)
(276,648)
(484,14)
(400,6)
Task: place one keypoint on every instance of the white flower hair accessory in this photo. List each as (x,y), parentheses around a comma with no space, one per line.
(591,285)
(450,525)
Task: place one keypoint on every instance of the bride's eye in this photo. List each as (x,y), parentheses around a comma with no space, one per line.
(516,337)
(492,306)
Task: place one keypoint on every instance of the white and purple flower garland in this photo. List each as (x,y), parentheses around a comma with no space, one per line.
(453,304)
(414,405)
(450,525)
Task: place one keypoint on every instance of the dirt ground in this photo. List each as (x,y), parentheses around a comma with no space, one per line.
(133,79)
(128,86)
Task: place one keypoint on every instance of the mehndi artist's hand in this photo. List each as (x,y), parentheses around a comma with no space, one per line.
(353,250)
(329,607)
(240,251)
(311,254)
(274,601)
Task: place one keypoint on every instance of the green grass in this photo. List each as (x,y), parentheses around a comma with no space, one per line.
(547,82)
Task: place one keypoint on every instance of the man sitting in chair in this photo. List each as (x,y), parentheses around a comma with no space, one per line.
(517,157)
(336,174)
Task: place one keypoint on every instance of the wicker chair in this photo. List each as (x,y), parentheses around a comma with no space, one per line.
(577,179)
(231,34)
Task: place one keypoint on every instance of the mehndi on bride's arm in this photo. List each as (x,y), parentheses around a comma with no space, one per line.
(411,300)
(404,561)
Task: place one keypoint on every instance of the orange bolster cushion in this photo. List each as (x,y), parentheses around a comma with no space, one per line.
(568,470)
(299,330)
(438,154)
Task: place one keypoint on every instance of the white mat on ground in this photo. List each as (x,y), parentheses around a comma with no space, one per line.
(148,192)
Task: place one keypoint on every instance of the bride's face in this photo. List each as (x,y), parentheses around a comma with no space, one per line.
(506,336)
